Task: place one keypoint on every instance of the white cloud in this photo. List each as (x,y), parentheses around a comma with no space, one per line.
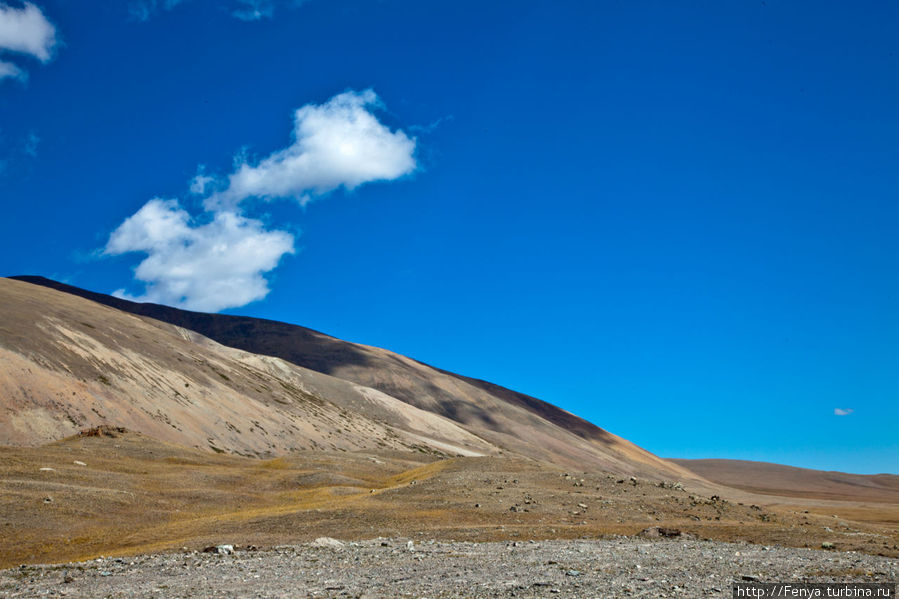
(338,143)
(245,10)
(206,267)
(219,260)
(27,31)
(31,144)
(842,411)
(142,10)
(201,181)
(254,10)
(11,71)
(24,31)
(430,127)
(17,154)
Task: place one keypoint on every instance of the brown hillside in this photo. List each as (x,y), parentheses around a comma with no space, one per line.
(67,363)
(775,479)
(72,341)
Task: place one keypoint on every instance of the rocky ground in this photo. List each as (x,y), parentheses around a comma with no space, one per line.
(615,567)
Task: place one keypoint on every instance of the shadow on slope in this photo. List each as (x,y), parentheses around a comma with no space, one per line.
(509,419)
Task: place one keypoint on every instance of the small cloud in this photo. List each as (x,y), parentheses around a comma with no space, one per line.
(207,266)
(254,10)
(27,31)
(430,127)
(339,143)
(245,10)
(31,144)
(17,155)
(142,10)
(86,256)
(24,31)
(200,182)
(10,71)
(842,411)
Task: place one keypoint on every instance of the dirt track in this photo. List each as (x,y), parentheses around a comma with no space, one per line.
(131,495)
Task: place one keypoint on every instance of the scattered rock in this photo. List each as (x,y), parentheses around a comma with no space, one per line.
(618,568)
(104,430)
(655,532)
(328,543)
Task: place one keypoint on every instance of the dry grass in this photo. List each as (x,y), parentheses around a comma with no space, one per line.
(138,495)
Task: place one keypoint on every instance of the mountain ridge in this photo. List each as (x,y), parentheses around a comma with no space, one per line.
(208,325)
(782,480)
(505,420)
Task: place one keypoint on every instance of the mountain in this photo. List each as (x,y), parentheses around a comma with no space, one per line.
(789,481)
(68,364)
(121,433)
(74,358)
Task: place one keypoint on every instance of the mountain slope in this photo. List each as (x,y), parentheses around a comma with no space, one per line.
(67,364)
(506,419)
(776,479)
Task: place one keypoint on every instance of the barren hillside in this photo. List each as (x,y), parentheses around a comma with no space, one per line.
(776,479)
(67,364)
(504,419)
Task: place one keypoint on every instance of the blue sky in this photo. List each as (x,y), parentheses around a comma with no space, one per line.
(677,220)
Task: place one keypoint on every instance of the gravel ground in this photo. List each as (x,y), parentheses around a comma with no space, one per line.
(618,567)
